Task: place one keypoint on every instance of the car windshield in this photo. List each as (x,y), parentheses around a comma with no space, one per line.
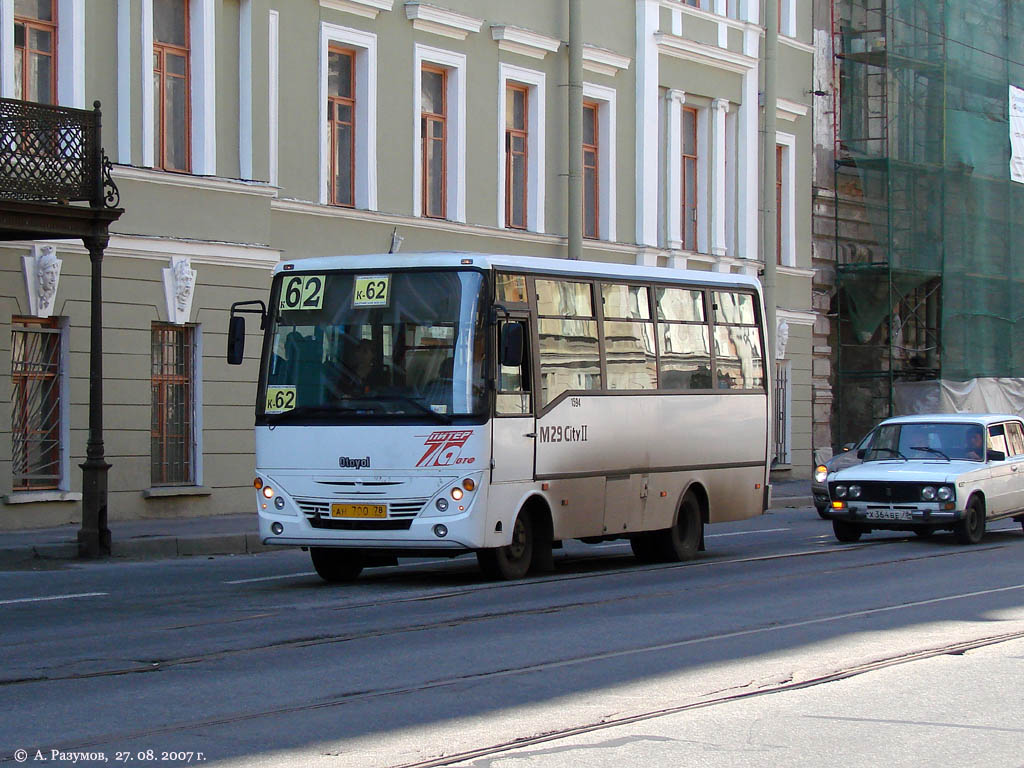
(355,346)
(924,440)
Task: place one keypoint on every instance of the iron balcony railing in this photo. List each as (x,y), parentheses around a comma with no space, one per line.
(53,154)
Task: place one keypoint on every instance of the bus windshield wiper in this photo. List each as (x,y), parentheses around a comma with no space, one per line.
(929,449)
(441,417)
(306,410)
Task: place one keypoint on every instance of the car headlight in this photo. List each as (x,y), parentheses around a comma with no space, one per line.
(945,493)
(928,493)
(820,473)
(841,491)
(854,491)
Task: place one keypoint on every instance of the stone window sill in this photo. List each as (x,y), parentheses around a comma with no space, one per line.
(32,497)
(176,490)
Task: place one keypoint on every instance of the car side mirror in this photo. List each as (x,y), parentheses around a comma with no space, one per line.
(512,345)
(861,453)
(236,340)
(993,455)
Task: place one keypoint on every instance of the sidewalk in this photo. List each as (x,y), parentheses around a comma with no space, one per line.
(139,539)
(219,535)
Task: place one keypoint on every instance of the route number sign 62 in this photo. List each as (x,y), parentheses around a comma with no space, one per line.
(372,291)
(301,292)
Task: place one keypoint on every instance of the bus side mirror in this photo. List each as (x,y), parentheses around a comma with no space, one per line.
(236,339)
(512,345)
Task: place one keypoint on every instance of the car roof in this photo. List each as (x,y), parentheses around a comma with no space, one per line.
(953,418)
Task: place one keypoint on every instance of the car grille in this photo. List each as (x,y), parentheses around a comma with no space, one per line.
(886,493)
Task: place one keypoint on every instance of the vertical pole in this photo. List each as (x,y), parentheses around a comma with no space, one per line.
(768,247)
(575,178)
(94,536)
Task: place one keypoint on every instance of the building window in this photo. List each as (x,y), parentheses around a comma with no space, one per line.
(591,171)
(35,404)
(434,139)
(517,99)
(778,204)
(172,436)
(689,178)
(35,45)
(341,109)
(171,85)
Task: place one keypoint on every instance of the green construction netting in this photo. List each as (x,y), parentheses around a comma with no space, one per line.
(924,129)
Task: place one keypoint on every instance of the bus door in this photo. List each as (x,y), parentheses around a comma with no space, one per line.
(514,425)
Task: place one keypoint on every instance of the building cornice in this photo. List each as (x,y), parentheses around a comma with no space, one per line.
(441,21)
(690,50)
(368,9)
(603,61)
(717,18)
(790,110)
(795,272)
(795,44)
(524,41)
(208,183)
(796,316)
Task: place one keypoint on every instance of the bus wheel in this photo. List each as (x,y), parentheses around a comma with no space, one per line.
(972,527)
(512,561)
(682,540)
(846,532)
(645,547)
(336,565)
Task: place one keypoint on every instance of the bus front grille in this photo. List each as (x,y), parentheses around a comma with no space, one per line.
(358,525)
(318,512)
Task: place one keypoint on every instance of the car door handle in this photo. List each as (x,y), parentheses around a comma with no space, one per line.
(1014,468)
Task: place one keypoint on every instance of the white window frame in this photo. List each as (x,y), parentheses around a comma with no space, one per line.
(788,143)
(70,71)
(535,167)
(787,18)
(365,46)
(605,99)
(202,84)
(676,99)
(455,64)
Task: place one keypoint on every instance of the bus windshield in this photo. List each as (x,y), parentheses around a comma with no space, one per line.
(352,346)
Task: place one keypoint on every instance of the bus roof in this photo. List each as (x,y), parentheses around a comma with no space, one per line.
(531,264)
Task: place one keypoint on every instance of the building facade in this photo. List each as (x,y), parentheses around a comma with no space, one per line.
(244,132)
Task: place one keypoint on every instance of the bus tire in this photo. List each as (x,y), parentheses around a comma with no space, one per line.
(645,548)
(682,540)
(846,532)
(336,565)
(513,560)
(971,529)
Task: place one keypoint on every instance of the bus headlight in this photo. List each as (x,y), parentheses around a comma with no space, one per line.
(840,491)
(945,493)
(279,502)
(820,473)
(928,493)
(267,492)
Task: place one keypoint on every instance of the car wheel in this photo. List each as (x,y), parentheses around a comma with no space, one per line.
(846,532)
(971,528)
(336,565)
(682,540)
(923,533)
(513,560)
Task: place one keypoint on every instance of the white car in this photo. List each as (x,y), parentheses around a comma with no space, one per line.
(933,472)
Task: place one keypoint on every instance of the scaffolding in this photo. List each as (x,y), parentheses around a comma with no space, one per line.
(929,273)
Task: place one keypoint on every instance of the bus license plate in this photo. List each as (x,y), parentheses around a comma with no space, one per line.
(359,510)
(896,515)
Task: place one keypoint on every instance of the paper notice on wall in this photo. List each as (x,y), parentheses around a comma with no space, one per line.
(1017,134)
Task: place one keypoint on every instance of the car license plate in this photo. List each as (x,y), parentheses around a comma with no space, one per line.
(898,515)
(359,510)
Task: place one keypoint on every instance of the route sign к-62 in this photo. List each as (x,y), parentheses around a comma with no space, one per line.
(372,291)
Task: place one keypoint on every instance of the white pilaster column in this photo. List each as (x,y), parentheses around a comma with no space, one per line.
(674,99)
(723,29)
(747,155)
(124,82)
(647,17)
(7,49)
(719,107)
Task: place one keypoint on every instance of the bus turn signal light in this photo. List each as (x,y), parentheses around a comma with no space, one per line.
(257,483)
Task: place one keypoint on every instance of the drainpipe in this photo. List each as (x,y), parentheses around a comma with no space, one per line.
(575,178)
(769,228)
